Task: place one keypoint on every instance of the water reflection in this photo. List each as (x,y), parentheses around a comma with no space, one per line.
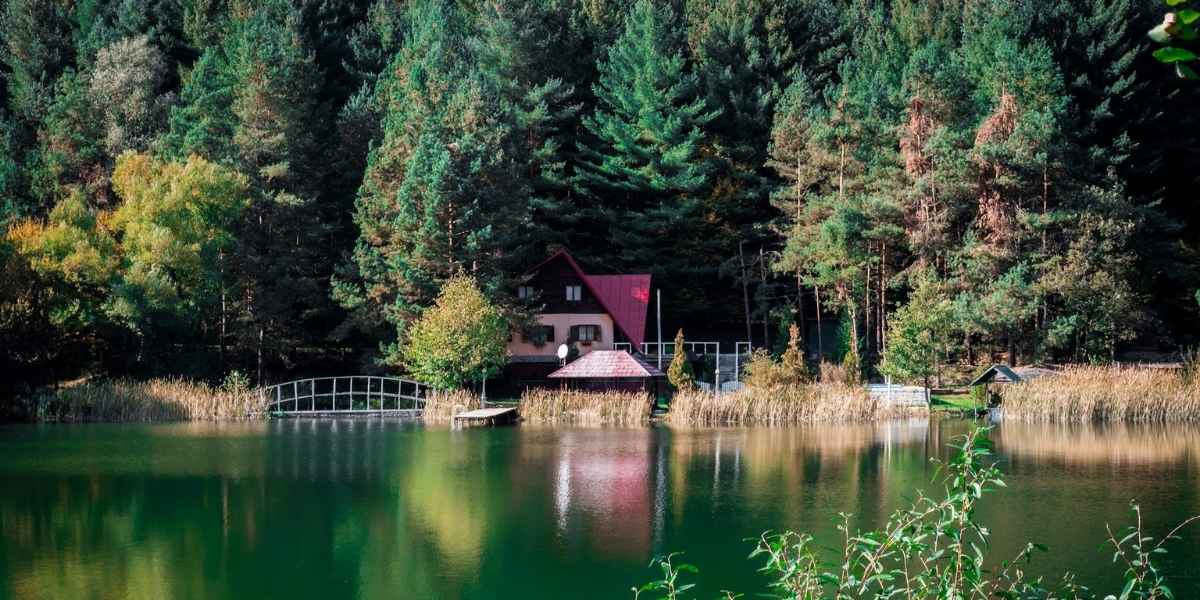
(377,508)
(1114,443)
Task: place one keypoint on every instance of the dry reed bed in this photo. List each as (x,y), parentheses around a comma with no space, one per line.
(125,400)
(782,405)
(1105,393)
(441,406)
(585,408)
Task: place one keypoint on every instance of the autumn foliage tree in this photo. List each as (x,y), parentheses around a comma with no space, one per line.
(461,339)
(679,373)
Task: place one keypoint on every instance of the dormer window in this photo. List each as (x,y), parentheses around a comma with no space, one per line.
(525,292)
(574,293)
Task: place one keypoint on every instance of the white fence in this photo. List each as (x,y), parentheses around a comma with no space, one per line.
(899,395)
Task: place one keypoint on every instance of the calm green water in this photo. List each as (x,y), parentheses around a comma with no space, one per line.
(378,509)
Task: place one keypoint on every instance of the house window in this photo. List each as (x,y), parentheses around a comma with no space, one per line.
(586,333)
(524,292)
(574,293)
(538,335)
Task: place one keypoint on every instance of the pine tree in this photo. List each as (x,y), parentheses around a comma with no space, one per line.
(442,193)
(739,77)
(202,122)
(70,150)
(525,49)
(37,48)
(283,256)
(643,174)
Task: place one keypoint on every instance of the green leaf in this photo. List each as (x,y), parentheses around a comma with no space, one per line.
(1186,72)
(1160,35)
(1188,16)
(1171,54)
(1175,2)
(1128,588)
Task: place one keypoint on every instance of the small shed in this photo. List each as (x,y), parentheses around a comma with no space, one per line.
(1007,374)
(981,387)
(611,370)
(997,374)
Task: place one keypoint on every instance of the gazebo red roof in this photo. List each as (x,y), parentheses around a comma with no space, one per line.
(607,364)
(625,297)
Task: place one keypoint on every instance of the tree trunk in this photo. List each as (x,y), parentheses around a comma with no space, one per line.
(867,314)
(224,312)
(820,337)
(260,355)
(745,292)
(762,271)
(882,320)
(800,311)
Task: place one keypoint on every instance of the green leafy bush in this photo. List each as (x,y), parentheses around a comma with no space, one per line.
(462,338)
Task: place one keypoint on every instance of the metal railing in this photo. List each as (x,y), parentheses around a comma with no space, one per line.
(343,395)
(668,348)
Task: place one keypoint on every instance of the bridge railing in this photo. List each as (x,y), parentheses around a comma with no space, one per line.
(355,393)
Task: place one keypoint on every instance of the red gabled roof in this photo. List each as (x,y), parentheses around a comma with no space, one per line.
(606,364)
(624,297)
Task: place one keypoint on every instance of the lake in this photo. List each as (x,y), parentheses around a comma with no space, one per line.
(390,509)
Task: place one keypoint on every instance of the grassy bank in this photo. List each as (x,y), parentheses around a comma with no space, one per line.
(124,400)
(803,403)
(1106,393)
(952,402)
(585,408)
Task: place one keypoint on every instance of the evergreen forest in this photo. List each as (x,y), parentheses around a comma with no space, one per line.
(198,186)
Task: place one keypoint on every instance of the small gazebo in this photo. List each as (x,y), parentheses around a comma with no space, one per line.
(1007,374)
(982,388)
(996,374)
(611,370)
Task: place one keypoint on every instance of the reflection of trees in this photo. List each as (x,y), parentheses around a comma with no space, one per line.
(447,490)
(93,537)
(797,477)
(1106,443)
(794,460)
(377,509)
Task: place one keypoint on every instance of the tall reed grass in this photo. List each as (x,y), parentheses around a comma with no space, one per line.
(441,406)
(780,405)
(1105,393)
(126,400)
(577,407)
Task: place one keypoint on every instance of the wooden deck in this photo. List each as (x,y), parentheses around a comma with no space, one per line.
(488,416)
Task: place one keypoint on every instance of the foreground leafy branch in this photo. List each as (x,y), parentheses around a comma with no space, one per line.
(934,548)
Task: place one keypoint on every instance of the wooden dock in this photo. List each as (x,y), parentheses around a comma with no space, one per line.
(488,416)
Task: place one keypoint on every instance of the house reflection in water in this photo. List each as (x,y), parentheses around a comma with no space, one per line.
(609,487)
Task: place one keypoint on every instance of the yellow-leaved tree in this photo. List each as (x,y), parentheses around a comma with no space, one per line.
(174,224)
(462,338)
(680,372)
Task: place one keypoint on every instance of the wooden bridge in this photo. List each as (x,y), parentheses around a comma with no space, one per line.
(349,395)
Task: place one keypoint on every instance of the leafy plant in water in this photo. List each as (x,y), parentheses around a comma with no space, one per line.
(668,587)
(935,548)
